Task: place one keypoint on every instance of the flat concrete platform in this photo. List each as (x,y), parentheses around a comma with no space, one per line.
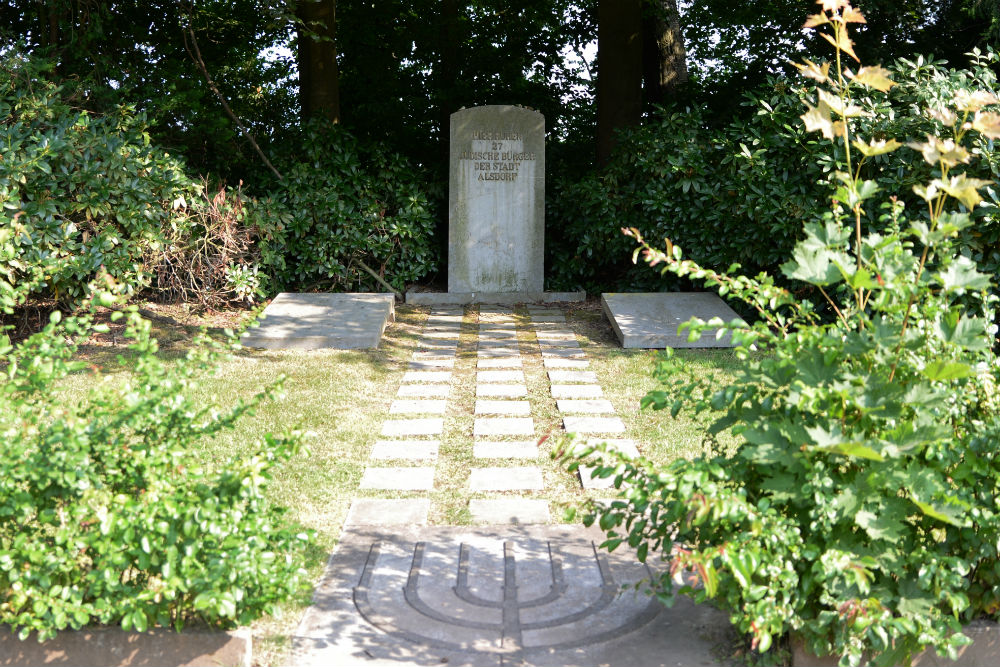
(499,298)
(512,595)
(347,321)
(650,319)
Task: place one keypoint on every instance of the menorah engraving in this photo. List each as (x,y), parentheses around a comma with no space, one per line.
(515,612)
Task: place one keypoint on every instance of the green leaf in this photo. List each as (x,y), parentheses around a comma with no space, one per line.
(947,370)
(963,274)
(881,526)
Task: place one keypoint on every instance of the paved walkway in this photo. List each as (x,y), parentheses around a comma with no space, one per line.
(516,590)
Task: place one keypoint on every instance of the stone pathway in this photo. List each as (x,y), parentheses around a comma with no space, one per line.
(528,592)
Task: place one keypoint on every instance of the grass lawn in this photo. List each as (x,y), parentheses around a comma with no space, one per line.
(341,398)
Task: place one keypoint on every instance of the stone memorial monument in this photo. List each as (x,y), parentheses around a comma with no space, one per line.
(496,208)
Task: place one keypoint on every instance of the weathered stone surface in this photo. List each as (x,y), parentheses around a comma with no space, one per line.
(548,344)
(558,317)
(555,334)
(595,406)
(442,335)
(497,334)
(563,353)
(521,449)
(417,407)
(405,449)
(424,390)
(398,479)
(501,362)
(499,376)
(434,298)
(314,321)
(426,426)
(496,326)
(559,377)
(562,363)
(488,407)
(501,390)
(526,478)
(398,596)
(492,426)
(650,320)
(580,391)
(388,512)
(496,212)
(516,511)
(593,425)
(431,364)
(426,376)
(498,353)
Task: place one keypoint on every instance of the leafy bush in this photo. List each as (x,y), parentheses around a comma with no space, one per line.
(78,192)
(347,211)
(107,514)
(741,193)
(861,507)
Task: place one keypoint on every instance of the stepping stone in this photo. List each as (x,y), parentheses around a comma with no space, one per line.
(527,478)
(555,335)
(566,363)
(405,449)
(497,325)
(503,390)
(549,344)
(485,407)
(650,320)
(427,426)
(424,390)
(436,344)
(548,318)
(426,376)
(388,512)
(524,449)
(499,353)
(593,425)
(497,344)
(398,479)
(430,364)
(624,446)
(576,391)
(517,511)
(322,321)
(430,355)
(489,426)
(453,327)
(563,353)
(584,406)
(499,363)
(498,334)
(559,377)
(414,407)
(587,481)
(500,376)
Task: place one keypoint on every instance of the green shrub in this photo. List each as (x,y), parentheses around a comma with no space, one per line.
(741,193)
(344,207)
(861,507)
(107,513)
(78,192)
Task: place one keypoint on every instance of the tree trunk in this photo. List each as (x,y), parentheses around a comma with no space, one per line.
(619,70)
(664,59)
(319,89)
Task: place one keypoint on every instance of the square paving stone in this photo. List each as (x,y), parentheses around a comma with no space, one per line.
(548,318)
(426,426)
(424,390)
(563,353)
(555,335)
(594,406)
(559,377)
(498,353)
(650,320)
(426,376)
(398,479)
(442,335)
(499,363)
(576,391)
(497,325)
(489,426)
(522,449)
(499,376)
(497,334)
(566,363)
(487,407)
(437,344)
(431,364)
(593,425)
(516,511)
(549,344)
(430,355)
(528,478)
(388,512)
(405,449)
(496,344)
(501,390)
(417,407)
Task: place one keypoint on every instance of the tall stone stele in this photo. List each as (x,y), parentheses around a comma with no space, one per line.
(496,213)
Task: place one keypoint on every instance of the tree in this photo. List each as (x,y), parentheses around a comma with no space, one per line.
(664,58)
(619,70)
(319,86)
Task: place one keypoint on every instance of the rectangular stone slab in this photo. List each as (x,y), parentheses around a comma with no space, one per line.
(505,479)
(517,511)
(346,321)
(650,320)
(398,479)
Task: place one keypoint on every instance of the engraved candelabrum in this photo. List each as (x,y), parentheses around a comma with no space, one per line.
(510,629)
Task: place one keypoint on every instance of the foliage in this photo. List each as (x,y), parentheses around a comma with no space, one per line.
(343,207)
(861,508)
(741,193)
(78,192)
(107,515)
